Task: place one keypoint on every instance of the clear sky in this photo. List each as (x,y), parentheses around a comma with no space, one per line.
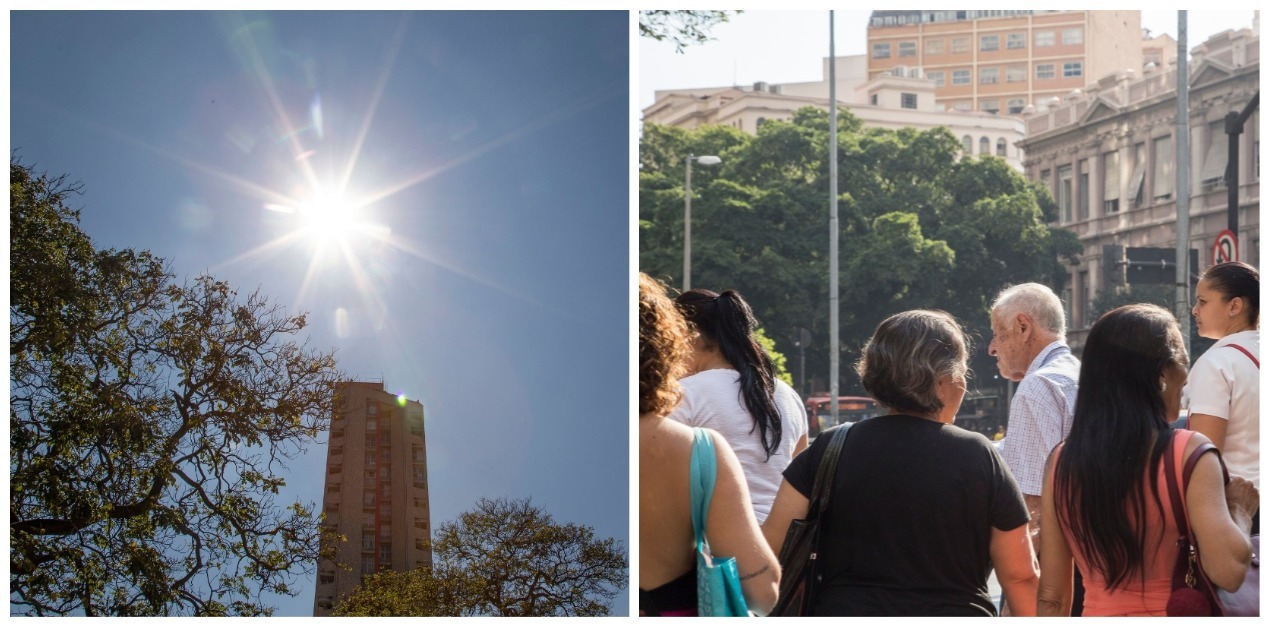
(788,46)
(493,147)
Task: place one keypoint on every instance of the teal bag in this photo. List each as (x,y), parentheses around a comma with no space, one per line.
(718,583)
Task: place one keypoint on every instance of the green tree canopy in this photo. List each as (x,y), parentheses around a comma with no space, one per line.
(682,28)
(920,226)
(506,557)
(150,423)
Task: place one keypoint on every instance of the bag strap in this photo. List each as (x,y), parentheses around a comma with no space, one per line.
(1246,352)
(701,484)
(1178,497)
(826,471)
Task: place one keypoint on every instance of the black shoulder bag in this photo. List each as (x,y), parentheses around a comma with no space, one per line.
(799,576)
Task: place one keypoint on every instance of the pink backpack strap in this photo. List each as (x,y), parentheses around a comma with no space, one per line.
(1245,351)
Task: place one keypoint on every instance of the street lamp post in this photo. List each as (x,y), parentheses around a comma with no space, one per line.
(704,160)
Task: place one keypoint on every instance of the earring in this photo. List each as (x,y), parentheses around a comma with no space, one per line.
(1164,386)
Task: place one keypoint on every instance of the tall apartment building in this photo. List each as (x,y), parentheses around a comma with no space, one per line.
(1003,61)
(1109,156)
(376,489)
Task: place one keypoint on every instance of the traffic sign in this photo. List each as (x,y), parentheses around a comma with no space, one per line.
(1225,248)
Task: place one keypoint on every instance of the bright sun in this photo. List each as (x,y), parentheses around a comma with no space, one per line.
(328,220)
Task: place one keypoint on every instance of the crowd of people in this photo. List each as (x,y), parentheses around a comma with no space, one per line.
(1070,510)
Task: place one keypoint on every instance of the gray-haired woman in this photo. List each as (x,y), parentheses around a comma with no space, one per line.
(920,511)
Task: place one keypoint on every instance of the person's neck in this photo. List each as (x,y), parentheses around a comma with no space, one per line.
(1038,346)
(1238,327)
(715,361)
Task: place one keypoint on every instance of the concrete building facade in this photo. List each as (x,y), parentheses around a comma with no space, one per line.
(1002,61)
(376,489)
(887,101)
(1108,154)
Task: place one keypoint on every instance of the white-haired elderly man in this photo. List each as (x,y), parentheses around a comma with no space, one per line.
(1029,340)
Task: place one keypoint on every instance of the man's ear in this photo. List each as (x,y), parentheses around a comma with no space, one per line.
(1025,325)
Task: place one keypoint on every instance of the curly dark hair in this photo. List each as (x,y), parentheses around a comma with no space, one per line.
(663,348)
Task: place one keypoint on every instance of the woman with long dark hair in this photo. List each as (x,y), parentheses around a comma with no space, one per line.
(667,566)
(732,388)
(1105,488)
(1224,386)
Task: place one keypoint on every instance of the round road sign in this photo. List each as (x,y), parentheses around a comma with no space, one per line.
(1225,248)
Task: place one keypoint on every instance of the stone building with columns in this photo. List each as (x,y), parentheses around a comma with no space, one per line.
(1108,155)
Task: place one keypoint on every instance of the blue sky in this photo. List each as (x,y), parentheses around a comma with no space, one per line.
(493,146)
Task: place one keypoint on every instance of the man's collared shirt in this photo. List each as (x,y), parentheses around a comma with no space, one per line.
(1040,414)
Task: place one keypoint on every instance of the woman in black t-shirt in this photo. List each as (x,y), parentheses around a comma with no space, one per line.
(920,510)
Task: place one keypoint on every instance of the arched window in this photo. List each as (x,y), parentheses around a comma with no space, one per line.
(984,146)
(966,144)
(1001,147)
(760,123)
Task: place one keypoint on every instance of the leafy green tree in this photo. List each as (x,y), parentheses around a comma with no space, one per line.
(149,427)
(682,28)
(919,226)
(778,358)
(418,592)
(506,557)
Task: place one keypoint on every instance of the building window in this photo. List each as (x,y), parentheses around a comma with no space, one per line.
(368,498)
(1072,68)
(326,579)
(961,77)
(385,553)
(989,75)
(368,541)
(1016,41)
(1065,193)
(1001,147)
(960,45)
(1213,169)
(984,146)
(938,77)
(989,43)
(992,106)
(1044,38)
(1015,106)
(420,473)
(1111,182)
(962,105)
(1045,180)
(1082,191)
(368,567)
(966,144)
(1137,180)
(1015,73)
(1044,71)
(882,51)
(908,49)
(372,425)
(1072,36)
(873,99)
(908,101)
(1162,182)
(372,408)
(934,46)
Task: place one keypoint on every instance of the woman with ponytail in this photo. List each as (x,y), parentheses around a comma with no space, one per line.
(732,388)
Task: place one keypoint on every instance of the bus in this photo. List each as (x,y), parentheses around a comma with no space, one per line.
(850,409)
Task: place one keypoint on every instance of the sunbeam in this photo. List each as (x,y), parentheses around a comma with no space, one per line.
(391,59)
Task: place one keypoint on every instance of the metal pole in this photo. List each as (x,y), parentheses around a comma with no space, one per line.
(1183,169)
(688,223)
(1233,129)
(833,228)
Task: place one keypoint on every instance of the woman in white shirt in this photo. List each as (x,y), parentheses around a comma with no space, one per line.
(732,388)
(1223,384)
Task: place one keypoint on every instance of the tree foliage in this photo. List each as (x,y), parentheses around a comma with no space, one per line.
(682,28)
(506,557)
(919,226)
(150,424)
